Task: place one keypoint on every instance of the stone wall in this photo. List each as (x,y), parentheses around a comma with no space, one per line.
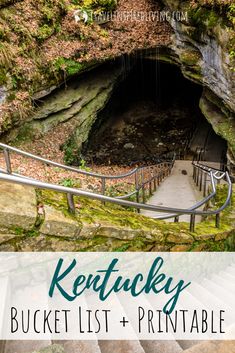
(39,221)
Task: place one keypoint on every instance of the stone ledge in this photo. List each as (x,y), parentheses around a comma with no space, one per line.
(18,206)
(181,238)
(56,223)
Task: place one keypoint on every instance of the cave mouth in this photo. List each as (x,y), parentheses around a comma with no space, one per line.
(154,111)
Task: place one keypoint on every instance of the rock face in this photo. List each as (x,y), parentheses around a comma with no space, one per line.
(77,103)
(75,106)
(200,46)
(222,122)
(206,59)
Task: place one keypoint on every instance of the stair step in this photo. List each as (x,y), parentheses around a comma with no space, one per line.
(120,347)
(219,291)
(25,346)
(187,344)
(209,297)
(229,284)
(213,347)
(161,347)
(227,276)
(79,346)
(231,271)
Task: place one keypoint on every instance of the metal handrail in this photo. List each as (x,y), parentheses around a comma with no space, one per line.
(83,193)
(214,174)
(103,177)
(72,169)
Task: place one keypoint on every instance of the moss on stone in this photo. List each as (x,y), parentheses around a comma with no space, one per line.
(221,124)
(144,233)
(190,58)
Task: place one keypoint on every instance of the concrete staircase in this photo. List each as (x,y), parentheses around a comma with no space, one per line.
(122,347)
(142,346)
(177,189)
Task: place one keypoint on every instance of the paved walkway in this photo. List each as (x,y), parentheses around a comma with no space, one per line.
(178,190)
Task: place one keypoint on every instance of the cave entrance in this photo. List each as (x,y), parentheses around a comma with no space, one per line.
(154,111)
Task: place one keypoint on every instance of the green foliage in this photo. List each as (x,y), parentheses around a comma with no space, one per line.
(104,33)
(18,230)
(71,155)
(70,66)
(6,55)
(122,248)
(101,5)
(14,82)
(3,77)
(48,14)
(67,182)
(232,54)
(231,13)
(44,32)
(32,233)
(107,5)
(82,165)
(204,17)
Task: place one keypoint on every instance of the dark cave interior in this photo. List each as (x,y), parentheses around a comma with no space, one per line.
(153,111)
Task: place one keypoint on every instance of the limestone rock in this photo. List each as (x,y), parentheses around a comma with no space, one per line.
(180,248)
(222,236)
(6,237)
(205,237)
(205,50)
(89,231)
(118,233)
(160,248)
(56,223)
(79,102)
(18,206)
(181,238)
(199,248)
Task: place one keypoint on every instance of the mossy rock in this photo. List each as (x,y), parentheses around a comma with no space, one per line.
(190,58)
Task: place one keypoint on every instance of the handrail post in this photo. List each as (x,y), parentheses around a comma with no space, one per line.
(192,222)
(71,205)
(143,186)
(205,185)
(7,160)
(154,180)
(150,182)
(194,170)
(103,186)
(217,220)
(200,187)
(197,177)
(137,188)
